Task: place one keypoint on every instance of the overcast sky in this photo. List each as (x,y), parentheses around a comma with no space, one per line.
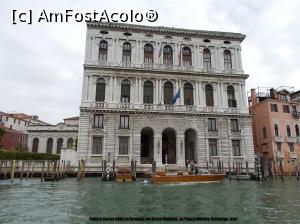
(41,64)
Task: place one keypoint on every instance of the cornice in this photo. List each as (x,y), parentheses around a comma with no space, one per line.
(121,69)
(198,114)
(170,31)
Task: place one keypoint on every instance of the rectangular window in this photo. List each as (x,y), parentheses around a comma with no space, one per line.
(212,146)
(236,148)
(274,108)
(97,145)
(14,121)
(286,108)
(98,120)
(291,146)
(124,121)
(278,146)
(234,125)
(6,118)
(283,97)
(212,124)
(123,145)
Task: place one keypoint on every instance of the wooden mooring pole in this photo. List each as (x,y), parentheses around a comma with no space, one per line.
(12,170)
(22,170)
(43,169)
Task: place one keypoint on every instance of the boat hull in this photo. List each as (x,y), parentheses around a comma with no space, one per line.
(187,178)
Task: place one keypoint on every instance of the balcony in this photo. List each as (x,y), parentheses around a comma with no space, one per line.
(99,105)
(148,106)
(236,131)
(280,155)
(291,139)
(167,67)
(125,106)
(278,139)
(169,107)
(293,155)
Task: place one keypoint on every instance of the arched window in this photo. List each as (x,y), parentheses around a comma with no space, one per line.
(209,95)
(35,145)
(148,54)
(276,129)
(100,90)
(206,58)
(126,53)
(227,60)
(231,97)
(125,91)
(264,132)
(297,130)
(188,94)
(167,55)
(148,92)
(186,56)
(103,46)
(49,145)
(168,93)
(288,131)
(60,142)
(70,143)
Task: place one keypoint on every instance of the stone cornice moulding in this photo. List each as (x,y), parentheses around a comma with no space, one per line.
(164,72)
(169,30)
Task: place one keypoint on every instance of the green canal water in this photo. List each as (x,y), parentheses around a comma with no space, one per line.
(68,201)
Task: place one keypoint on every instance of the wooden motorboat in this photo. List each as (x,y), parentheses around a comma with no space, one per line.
(186,177)
(124,175)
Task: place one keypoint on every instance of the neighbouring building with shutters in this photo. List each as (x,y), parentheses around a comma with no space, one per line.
(276,122)
(163,94)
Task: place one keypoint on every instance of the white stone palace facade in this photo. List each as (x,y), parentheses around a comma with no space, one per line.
(129,111)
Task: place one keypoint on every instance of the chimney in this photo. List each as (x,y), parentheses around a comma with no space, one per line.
(253,97)
(272,93)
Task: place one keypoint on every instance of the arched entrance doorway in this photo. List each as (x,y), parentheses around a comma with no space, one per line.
(190,137)
(169,146)
(147,145)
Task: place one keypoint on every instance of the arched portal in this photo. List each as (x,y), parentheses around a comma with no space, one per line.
(190,138)
(169,146)
(147,145)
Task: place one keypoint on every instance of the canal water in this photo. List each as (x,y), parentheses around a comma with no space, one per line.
(68,201)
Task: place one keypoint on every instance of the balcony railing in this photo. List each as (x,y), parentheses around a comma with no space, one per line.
(156,107)
(236,131)
(291,139)
(280,155)
(293,155)
(168,67)
(278,139)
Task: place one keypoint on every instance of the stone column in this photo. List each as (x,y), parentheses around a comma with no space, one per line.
(240,59)
(196,96)
(244,97)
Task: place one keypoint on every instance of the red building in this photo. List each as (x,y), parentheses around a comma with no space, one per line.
(12,139)
(275,123)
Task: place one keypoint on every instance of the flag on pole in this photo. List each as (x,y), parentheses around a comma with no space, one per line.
(160,50)
(177,95)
